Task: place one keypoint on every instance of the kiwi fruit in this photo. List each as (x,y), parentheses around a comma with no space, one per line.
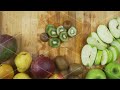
(64,74)
(73,77)
(76,69)
(61,63)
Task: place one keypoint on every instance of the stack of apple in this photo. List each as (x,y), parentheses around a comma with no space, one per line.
(103,46)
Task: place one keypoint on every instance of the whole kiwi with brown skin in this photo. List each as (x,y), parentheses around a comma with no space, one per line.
(73,77)
(76,69)
(61,63)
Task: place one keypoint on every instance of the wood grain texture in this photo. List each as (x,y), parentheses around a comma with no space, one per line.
(27,26)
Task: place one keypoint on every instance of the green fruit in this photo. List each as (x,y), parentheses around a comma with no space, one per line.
(104,34)
(48,27)
(116,44)
(95,74)
(8,47)
(114,52)
(98,58)
(63,36)
(88,55)
(114,28)
(21,76)
(23,61)
(110,56)
(112,70)
(72,32)
(105,57)
(54,42)
(60,29)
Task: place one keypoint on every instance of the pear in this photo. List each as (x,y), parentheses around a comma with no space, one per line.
(21,76)
(23,61)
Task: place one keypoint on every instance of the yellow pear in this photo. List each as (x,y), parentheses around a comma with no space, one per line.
(23,61)
(21,76)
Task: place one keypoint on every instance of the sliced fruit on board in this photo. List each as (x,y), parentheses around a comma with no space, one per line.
(93,42)
(116,44)
(114,52)
(52,32)
(63,36)
(60,29)
(54,42)
(104,34)
(88,55)
(48,27)
(105,57)
(113,27)
(110,56)
(94,35)
(72,32)
(98,57)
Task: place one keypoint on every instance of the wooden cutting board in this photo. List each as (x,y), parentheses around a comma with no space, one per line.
(27,26)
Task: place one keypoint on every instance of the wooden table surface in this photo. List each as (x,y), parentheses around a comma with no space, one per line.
(26,26)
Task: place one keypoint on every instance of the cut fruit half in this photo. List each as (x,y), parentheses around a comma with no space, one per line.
(88,55)
(116,44)
(72,32)
(110,56)
(94,35)
(63,36)
(98,57)
(54,42)
(93,42)
(52,32)
(105,57)
(104,34)
(114,52)
(60,29)
(48,27)
(113,26)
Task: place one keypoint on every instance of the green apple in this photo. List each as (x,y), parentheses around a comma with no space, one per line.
(116,44)
(105,57)
(94,40)
(98,57)
(95,74)
(112,70)
(114,52)
(114,27)
(104,34)
(110,56)
(118,40)
(88,55)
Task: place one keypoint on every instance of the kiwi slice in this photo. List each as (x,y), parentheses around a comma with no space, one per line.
(72,32)
(60,29)
(52,32)
(54,42)
(63,36)
(48,27)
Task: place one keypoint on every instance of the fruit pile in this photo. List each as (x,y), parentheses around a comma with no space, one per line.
(56,35)
(103,48)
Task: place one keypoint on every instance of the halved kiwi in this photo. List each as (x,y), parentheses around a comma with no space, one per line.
(54,42)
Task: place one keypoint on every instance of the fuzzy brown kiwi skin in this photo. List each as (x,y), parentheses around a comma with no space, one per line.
(76,69)
(61,63)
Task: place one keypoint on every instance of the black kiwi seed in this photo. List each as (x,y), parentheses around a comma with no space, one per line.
(61,63)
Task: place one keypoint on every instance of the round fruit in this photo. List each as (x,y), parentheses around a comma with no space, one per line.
(73,77)
(54,42)
(6,71)
(42,67)
(63,36)
(44,37)
(23,61)
(76,69)
(95,74)
(8,47)
(67,24)
(21,76)
(112,70)
(61,63)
